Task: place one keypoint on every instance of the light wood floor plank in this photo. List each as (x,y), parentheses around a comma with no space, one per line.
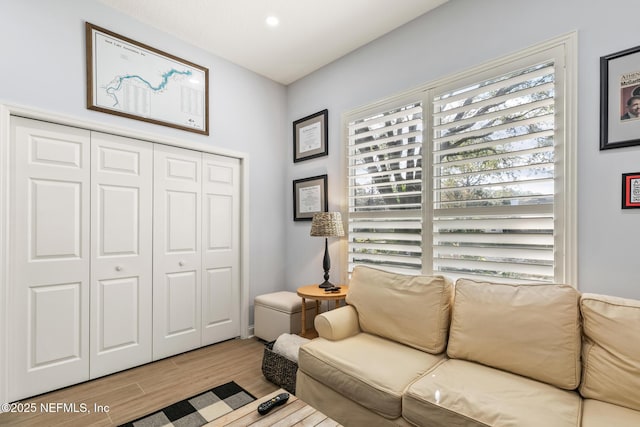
(138,391)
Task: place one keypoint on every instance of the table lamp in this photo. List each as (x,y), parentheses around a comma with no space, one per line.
(326,224)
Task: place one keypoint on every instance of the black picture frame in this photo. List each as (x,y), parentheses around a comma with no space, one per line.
(631,190)
(619,85)
(310,138)
(309,197)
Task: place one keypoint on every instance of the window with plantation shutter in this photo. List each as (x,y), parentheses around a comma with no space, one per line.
(494,177)
(475,177)
(385,189)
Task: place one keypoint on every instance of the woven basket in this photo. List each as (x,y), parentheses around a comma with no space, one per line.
(278,369)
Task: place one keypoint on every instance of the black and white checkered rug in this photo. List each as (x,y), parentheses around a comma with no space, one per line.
(198,410)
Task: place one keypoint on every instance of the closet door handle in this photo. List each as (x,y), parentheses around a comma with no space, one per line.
(118,268)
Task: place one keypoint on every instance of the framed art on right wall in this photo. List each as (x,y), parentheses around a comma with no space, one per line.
(631,190)
(620,99)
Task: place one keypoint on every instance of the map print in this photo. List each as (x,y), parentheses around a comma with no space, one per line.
(133,80)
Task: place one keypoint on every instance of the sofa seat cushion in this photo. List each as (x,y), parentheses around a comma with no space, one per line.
(601,414)
(529,330)
(611,350)
(462,393)
(370,370)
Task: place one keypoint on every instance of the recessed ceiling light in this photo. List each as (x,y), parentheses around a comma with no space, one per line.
(272,21)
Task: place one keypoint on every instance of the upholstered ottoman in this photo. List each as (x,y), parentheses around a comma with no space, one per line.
(278,313)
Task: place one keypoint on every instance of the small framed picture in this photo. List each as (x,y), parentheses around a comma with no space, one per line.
(620,99)
(309,197)
(631,190)
(310,136)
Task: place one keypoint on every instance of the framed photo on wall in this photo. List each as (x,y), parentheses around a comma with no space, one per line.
(131,79)
(631,190)
(620,99)
(309,197)
(310,136)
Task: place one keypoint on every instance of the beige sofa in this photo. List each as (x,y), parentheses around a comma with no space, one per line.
(415,350)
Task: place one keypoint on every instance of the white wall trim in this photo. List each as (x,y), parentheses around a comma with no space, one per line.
(8,110)
(571,159)
(5,135)
(246,330)
(33,113)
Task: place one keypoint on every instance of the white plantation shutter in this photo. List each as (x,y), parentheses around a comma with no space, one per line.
(473,175)
(494,177)
(385,189)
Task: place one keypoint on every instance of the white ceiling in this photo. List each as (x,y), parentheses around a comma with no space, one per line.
(311,34)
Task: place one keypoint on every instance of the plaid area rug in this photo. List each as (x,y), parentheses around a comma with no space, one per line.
(198,410)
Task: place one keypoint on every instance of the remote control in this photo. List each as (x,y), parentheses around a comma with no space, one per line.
(278,400)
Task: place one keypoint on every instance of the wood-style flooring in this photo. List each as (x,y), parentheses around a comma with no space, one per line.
(141,390)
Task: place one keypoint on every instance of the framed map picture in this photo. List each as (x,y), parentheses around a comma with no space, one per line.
(133,80)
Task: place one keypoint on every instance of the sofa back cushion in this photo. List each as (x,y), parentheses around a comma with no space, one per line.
(412,310)
(611,350)
(530,330)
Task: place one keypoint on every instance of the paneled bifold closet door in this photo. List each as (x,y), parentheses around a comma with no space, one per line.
(49,291)
(177,256)
(196,274)
(121,253)
(220,254)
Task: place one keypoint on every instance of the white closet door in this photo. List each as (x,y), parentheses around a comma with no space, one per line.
(121,253)
(177,252)
(49,293)
(220,253)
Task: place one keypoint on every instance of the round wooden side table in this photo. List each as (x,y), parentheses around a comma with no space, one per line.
(318,294)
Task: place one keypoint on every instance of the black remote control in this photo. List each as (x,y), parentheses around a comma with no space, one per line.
(278,400)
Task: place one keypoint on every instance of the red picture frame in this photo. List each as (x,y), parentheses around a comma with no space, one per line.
(631,190)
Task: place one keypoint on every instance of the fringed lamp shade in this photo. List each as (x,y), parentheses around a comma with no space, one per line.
(326,224)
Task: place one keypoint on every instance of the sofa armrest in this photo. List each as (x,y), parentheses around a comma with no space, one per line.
(337,324)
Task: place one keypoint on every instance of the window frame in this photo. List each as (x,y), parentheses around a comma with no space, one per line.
(563,50)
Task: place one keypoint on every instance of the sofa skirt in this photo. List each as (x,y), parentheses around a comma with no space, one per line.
(339,407)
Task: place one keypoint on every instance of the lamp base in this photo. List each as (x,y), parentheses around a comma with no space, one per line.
(326,265)
(326,284)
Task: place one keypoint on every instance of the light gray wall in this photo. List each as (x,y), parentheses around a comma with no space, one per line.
(459,35)
(43,67)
